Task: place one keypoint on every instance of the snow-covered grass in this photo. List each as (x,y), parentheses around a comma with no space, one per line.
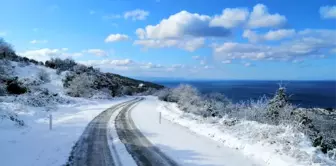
(277,145)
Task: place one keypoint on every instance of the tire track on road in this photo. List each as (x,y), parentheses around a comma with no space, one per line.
(142,150)
(92,148)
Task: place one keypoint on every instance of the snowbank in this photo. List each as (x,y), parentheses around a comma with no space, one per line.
(275,145)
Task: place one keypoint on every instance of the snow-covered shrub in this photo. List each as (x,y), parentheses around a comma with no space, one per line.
(14,86)
(81,86)
(40,98)
(5,48)
(3,90)
(12,116)
(31,82)
(215,104)
(126,91)
(63,65)
(43,76)
(164,94)
(6,69)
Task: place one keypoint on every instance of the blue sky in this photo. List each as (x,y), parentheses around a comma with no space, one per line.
(197,39)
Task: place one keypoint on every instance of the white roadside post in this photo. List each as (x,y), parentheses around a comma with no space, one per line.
(50,121)
(160,117)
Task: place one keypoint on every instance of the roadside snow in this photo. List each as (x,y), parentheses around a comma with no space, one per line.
(274,145)
(35,144)
(182,145)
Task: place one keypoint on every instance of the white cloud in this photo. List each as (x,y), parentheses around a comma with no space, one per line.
(183,30)
(38,41)
(247,64)
(333,50)
(196,57)
(151,66)
(180,25)
(137,14)
(230,18)
(203,62)
(46,54)
(97,52)
(227,61)
(178,66)
(186,44)
(271,35)
(109,62)
(298,61)
(208,67)
(116,37)
(279,34)
(305,43)
(260,17)
(112,16)
(141,33)
(328,12)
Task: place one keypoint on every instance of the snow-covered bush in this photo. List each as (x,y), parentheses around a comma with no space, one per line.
(40,98)
(81,86)
(43,76)
(5,48)
(11,116)
(5,69)
(215,104)
(62,65)
(14,86)
(3,90)
(190,100)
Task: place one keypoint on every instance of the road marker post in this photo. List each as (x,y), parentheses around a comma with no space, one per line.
(160,118)
(50,121)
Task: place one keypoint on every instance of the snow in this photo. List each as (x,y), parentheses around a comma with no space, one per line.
(273,145)
(30,72)
(35,143)
(182,145)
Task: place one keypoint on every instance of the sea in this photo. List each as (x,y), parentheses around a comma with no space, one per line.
(307,94)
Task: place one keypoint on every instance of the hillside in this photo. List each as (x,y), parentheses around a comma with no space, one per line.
(90,78)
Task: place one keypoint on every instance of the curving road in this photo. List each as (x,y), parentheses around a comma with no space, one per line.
(142,150)
(92,148)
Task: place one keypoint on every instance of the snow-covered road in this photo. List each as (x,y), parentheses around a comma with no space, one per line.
(179,143)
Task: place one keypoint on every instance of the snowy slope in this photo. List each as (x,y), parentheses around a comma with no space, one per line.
(31,72)
(274,145)
(181,144)
(34,144)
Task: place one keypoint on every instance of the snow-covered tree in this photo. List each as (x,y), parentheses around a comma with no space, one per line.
(5,48)
(43,76)
(277,104)
(81,86)
(215,104)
